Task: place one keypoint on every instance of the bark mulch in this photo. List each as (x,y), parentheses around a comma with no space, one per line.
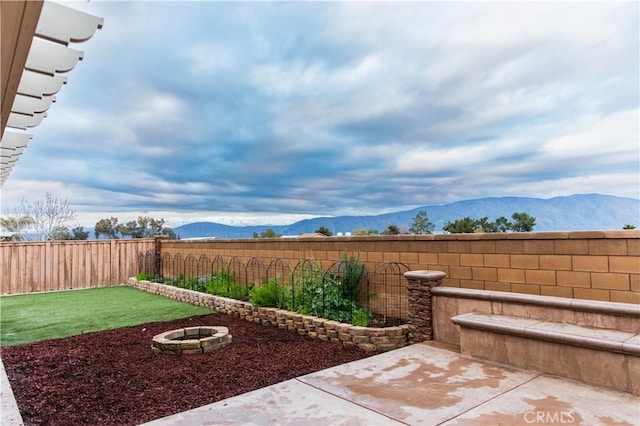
(112,377)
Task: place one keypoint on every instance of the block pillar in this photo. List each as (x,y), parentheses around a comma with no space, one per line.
(420,319)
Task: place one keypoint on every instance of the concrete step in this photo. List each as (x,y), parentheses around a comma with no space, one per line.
(598,356)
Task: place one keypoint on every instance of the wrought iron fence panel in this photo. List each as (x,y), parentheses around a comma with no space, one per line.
(280,271)
(204,268)
(237,270)
(341,284)
(306,285)
(178,266)
(218,264)
(280,277)
(190,267)
(235,277)
(166,271)
(387,295)
(147,262)
(255,272)
(348,275)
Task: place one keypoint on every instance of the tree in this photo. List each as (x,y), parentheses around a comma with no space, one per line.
(169,232)
(79,233)
(143,227)
(466,225)
(108,228)
(324,231)
(363,231)
(16,226)
(483,225)
(522,222)
(421,224)
(268,233)
(391,230)
(629,226)
(63,233)
(47,216)
(502,224)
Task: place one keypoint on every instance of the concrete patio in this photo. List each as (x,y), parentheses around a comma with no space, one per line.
(421,384)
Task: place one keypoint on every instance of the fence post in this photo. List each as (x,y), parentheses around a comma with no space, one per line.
(157,243)
(420,316)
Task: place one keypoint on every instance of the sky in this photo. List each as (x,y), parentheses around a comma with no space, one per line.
(271,112)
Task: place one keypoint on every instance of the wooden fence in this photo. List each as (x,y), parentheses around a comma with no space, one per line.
(28,267)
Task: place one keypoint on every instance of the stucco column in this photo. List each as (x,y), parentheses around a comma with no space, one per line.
(420,320)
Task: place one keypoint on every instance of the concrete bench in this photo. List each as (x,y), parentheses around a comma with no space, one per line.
(598,356)
(591,341)
(624,342)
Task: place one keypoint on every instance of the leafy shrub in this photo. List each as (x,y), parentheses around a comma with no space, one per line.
(190,283)
(223,284)
(336,306)
(353,275)
(306,293)
(361,317)
(323,298)
(270,294)
(143,276)
(220,284)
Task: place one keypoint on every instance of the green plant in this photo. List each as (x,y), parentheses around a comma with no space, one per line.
(143,276)
(353,275)
(336,306)
(223,284)
(307,292)
(361,317)
(191,282)
(332,296)
(269,294)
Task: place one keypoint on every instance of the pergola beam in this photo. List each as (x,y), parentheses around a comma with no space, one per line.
(18,23)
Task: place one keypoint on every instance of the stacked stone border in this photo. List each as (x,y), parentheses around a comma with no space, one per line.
(366,338)
(191,340)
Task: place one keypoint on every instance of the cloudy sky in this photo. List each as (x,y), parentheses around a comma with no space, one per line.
(269,112)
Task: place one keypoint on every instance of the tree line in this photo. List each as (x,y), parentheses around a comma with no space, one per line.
(143,227)
(53,219)
(521,222)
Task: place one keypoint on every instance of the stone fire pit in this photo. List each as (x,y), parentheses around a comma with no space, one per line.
(191,340)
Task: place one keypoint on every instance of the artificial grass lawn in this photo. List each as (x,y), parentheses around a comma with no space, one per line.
(33,317)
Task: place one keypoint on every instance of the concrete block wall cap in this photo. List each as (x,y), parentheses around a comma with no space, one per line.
(425,275)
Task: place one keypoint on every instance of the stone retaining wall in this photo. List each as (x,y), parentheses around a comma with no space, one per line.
(366,338)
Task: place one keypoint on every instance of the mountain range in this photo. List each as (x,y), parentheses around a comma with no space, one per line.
(568,213)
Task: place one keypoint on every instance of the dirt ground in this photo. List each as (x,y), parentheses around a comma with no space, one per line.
(113,378)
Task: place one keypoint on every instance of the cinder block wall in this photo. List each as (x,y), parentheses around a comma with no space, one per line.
(597,265)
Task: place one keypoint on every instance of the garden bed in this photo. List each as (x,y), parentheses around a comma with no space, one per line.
(113,377)
(367,338)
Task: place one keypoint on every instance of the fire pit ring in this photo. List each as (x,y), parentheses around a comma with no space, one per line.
(191,340)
